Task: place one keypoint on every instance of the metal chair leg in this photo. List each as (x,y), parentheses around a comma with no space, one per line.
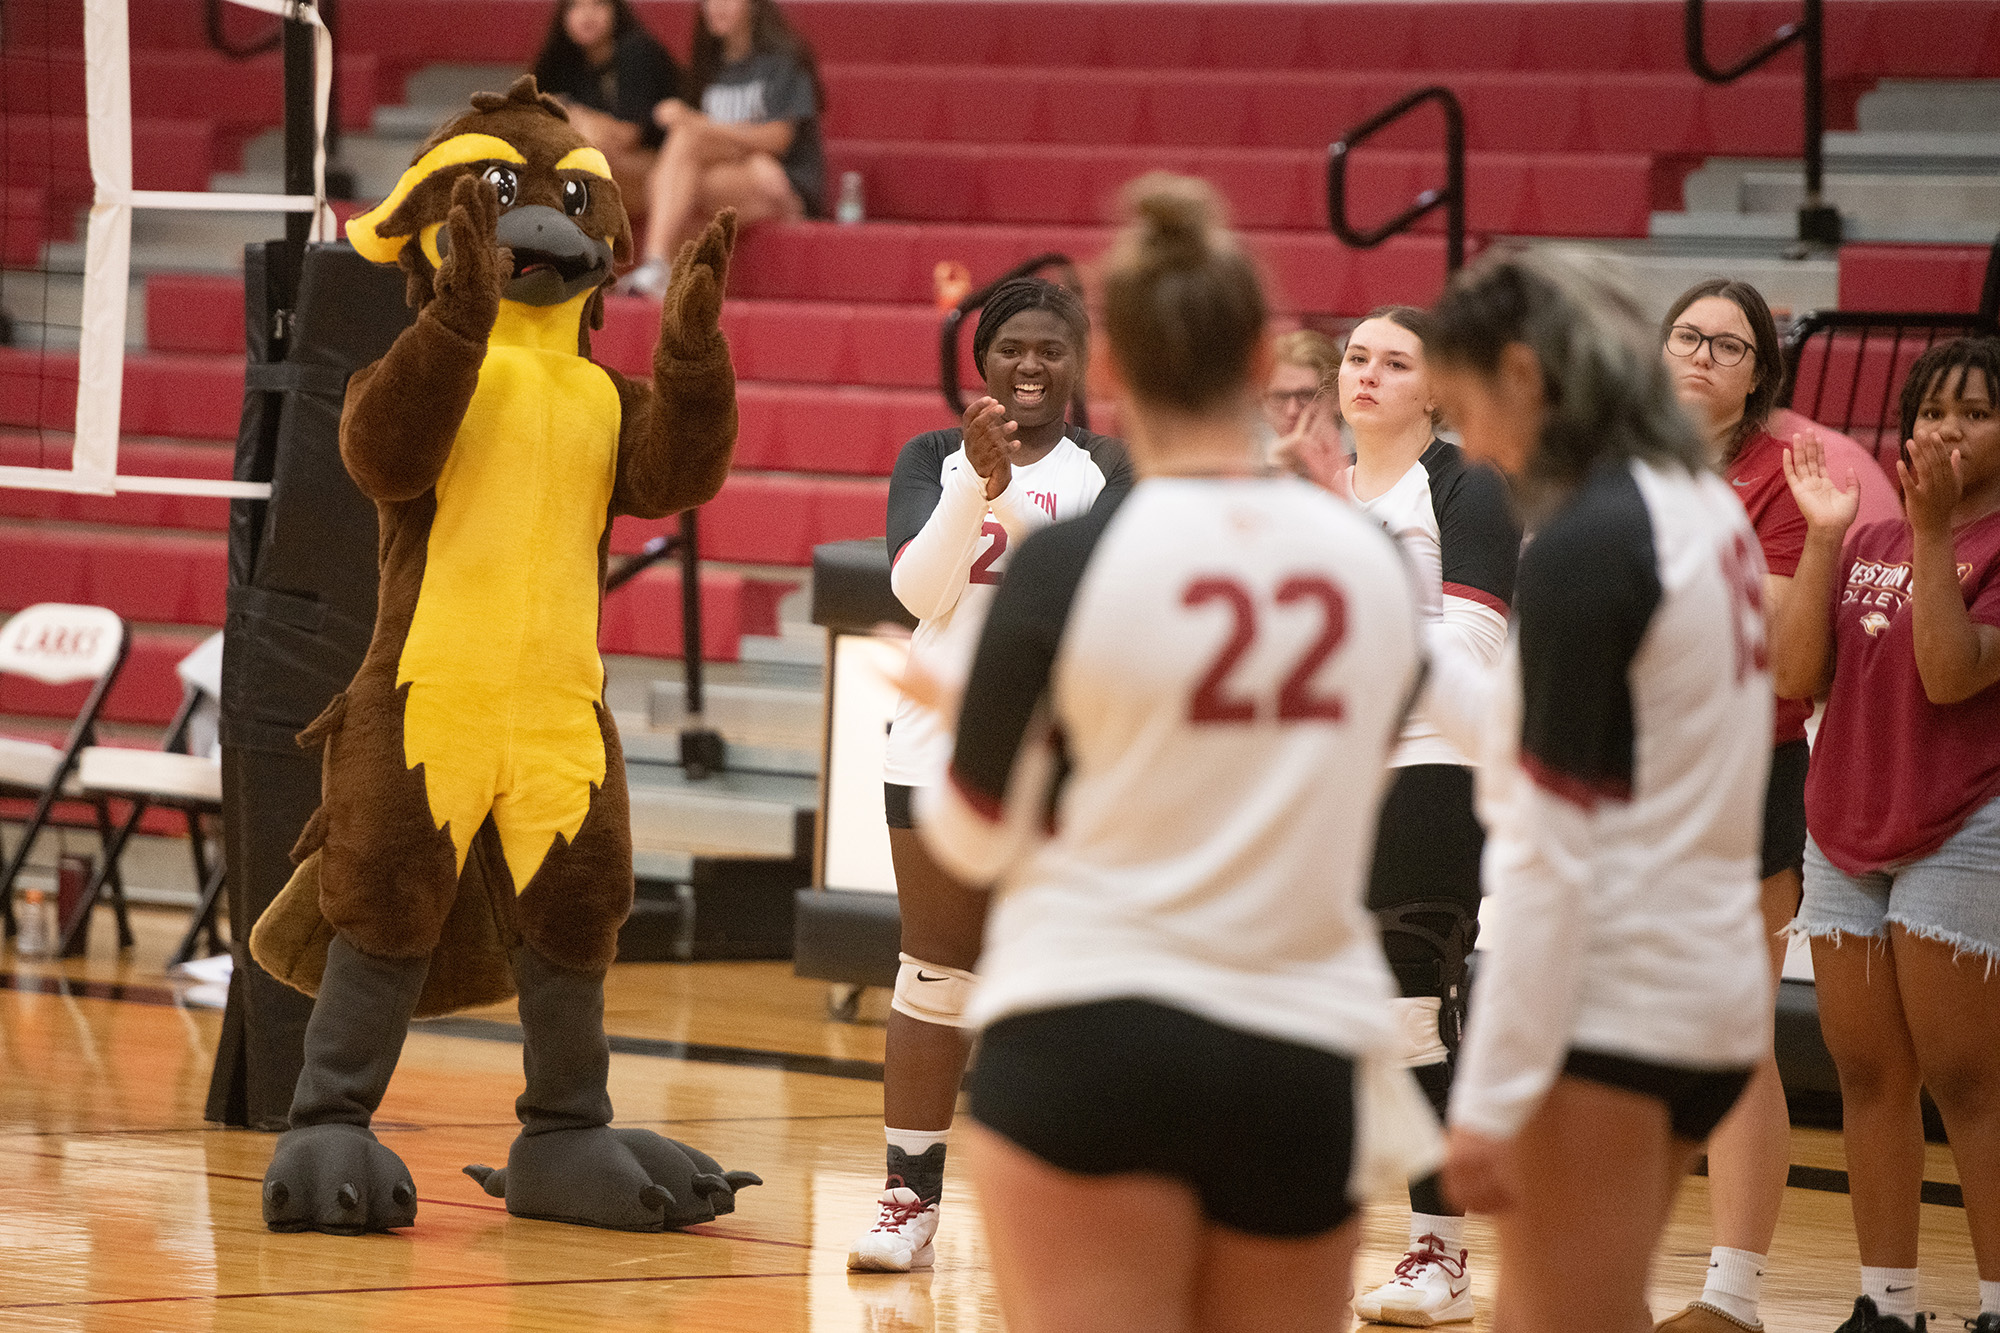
(114,847)
(204,914)
(117,878)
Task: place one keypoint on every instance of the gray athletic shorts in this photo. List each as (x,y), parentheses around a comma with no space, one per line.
(1951,896)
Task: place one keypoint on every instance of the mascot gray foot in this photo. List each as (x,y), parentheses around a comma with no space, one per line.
(329,1173)
(568,1165)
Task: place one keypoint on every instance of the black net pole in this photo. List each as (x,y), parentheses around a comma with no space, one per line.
(298,147)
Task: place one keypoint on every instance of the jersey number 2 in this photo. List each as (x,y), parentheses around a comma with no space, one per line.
(982,568)
(1297,701)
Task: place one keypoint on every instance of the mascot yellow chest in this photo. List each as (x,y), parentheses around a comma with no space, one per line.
(501,659)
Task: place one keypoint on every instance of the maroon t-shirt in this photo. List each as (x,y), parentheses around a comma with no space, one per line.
(1758,475)
(1893,775)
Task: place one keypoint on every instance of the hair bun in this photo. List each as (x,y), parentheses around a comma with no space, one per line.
(1179,214)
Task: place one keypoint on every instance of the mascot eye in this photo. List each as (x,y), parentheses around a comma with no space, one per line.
(505,183)
(576,197)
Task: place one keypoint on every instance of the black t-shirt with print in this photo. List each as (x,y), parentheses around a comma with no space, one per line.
(775,85)
(639,76)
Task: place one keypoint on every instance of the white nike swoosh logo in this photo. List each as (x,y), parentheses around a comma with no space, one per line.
(1739,483)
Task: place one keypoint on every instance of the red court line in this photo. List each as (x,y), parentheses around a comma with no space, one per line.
(371,1291)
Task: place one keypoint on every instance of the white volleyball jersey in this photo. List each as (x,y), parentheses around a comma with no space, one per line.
(949,549)
(1171,757)
(1453,521)
(1622,789)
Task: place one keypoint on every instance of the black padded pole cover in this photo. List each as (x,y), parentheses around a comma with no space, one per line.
(302,578)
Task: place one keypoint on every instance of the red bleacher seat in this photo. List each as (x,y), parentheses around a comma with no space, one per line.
(183,84)
(156,577)
(131,509)
(1567,194)
(24,224)
(643,618)
(894,262)
(1912,277)
(50,152)
(190,397)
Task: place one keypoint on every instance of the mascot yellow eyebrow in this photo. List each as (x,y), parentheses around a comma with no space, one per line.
(473,837)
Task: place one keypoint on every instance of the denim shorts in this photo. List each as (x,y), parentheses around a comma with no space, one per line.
(1951,896)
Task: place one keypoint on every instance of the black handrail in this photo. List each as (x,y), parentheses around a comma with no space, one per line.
(948,385)
(1451,198)
(1819,222)
(1898,330)
(702,749)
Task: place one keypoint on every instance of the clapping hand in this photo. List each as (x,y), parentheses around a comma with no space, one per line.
(1313,449)
(1827,508)
(1933,481)
(990,445)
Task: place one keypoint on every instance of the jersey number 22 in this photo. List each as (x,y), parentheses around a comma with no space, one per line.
(1212,701)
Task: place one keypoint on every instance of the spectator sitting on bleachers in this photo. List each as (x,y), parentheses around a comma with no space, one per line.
(753,145)
(610,70)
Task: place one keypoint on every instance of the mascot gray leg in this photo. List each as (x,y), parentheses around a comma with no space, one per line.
(329,1173)
(568,1165)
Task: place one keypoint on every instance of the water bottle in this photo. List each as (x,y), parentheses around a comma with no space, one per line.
(35,925)
(850,210)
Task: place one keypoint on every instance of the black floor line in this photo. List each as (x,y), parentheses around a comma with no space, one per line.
(1828,1181)
(487,1029)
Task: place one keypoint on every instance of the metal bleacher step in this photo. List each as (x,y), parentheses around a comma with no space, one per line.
(1951,106)
(1922,166)
(1661,269)
(734,813)
(47,308)
(182,242)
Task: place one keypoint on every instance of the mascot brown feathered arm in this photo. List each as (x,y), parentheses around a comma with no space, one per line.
(679,432)
(404,411)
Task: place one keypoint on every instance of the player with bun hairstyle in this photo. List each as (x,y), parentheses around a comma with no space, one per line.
(1901,624)
(1168,763)
(1626,998)
(960,502)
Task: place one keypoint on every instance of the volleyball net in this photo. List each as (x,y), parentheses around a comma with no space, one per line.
(107,261)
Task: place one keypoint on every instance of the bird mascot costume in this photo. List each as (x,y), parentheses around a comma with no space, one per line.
(473,838)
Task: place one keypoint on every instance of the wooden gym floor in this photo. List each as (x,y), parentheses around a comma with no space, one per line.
(121,1210)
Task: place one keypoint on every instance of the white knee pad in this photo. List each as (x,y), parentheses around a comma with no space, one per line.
(1419,1040)
(932,994)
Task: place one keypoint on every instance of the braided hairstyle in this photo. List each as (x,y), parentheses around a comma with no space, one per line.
(1011,298)
(1936,367)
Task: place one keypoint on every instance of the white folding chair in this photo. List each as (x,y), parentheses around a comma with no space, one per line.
(169,776)
(56,643)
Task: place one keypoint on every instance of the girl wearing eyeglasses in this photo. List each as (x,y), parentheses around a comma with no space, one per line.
(1720,347)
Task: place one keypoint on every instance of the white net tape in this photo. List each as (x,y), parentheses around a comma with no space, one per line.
(107,271)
